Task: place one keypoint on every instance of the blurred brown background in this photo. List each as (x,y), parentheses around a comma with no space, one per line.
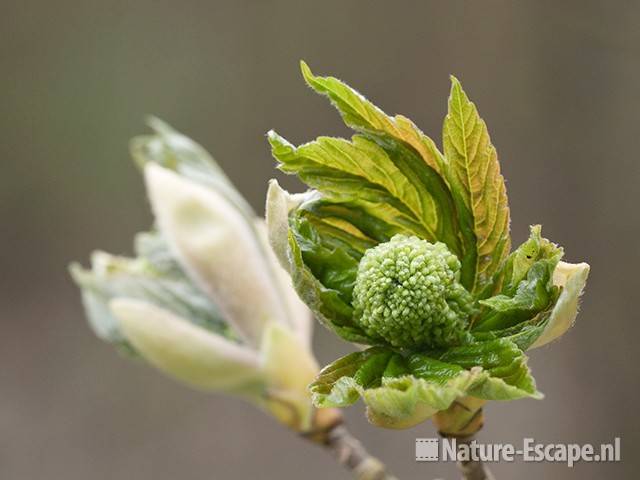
(556,81)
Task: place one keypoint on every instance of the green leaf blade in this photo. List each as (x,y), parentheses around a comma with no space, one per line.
(401,391)
(380,175)
(526,286)
(357,172)
(362,115)
(478,187)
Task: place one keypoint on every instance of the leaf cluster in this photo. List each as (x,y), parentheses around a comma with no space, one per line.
(390,178)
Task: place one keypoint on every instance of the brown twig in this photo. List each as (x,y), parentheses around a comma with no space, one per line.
(351,454)
(347,450)
(470,469)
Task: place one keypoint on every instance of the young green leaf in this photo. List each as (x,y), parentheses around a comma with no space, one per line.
(403,391)
(338,384)
(362,115)
(358,172)
(522,334)
(478,188)
(334,264)
(379,175)
(326,303)
(510,377)
(524,257)
(526,285)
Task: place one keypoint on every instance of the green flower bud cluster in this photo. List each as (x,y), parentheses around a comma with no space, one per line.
(408,293)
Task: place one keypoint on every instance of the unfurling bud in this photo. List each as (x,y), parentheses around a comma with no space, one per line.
(204,301)
(218,248)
